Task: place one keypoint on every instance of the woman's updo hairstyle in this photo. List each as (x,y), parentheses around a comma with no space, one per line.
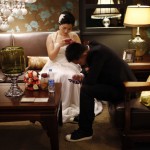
(66,18)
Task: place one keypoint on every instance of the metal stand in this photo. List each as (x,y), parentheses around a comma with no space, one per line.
(14,90)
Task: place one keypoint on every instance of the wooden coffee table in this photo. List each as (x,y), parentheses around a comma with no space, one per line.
(49,114)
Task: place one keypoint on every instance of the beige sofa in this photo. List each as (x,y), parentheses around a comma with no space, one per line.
(34,44)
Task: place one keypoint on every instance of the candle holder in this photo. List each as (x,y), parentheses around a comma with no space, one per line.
(13,65)
(14,90)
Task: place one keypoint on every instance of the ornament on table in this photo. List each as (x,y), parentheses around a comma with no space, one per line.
(31,80)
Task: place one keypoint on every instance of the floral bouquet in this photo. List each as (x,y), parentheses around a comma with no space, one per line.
(31,80)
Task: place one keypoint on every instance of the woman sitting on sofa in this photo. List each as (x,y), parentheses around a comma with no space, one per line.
(63,70)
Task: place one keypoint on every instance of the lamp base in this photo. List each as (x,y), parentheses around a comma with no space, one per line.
(140,45)
(106,22)
(14,90)
(139,58)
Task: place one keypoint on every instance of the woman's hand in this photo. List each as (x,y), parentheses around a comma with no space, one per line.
(78,77)
(65,42)
(68,41)
(61,44)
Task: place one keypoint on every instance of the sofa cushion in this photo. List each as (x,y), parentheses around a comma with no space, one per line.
(37,62)
(145,96)
(5,40)
(34,43)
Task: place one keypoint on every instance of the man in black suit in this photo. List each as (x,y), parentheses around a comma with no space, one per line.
(103,79)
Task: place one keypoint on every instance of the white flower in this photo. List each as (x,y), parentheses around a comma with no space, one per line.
(61,17)
(35,74)
(26,76)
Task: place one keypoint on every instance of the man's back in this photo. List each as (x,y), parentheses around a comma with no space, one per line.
(106,67)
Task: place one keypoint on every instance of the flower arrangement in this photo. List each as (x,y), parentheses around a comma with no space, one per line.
(31,80)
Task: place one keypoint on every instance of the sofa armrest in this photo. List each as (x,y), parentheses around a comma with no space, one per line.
(137,86)
(132,87)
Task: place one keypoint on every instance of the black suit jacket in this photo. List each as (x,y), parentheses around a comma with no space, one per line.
(106,67)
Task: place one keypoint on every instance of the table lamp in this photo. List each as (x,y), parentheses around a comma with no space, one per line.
(105,13)
(137,16)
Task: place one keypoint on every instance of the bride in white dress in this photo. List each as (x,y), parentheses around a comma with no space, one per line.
(63,70)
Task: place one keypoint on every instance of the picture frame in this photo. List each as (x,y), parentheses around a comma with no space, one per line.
(129,55)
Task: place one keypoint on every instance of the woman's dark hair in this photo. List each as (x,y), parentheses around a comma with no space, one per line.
(74,51)
(66,17)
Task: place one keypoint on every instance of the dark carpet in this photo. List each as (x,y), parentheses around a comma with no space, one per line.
(28,136)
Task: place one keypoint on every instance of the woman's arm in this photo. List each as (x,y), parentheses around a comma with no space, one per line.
(51,49)
(75,37)
(54,50)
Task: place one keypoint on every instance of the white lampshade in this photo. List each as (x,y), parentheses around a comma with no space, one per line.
(137,16)
(106,13)
(101,13)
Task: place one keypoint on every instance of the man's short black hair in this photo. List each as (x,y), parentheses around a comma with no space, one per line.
(74,51)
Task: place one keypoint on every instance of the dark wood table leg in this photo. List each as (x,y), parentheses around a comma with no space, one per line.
(51,126)
(60,115)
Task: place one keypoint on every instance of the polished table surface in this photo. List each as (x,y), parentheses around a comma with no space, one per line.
(140,66)
(12,109)
(16,101)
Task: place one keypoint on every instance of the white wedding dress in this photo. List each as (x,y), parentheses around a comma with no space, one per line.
(63,70)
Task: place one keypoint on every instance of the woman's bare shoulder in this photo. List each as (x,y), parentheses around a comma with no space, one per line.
(52,36)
